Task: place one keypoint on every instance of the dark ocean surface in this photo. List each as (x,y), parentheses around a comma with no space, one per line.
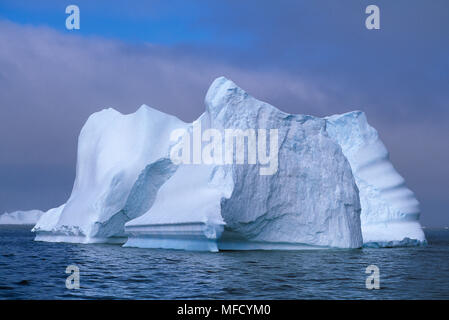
(36,270)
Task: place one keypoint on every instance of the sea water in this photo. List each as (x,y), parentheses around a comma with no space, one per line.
(37,270)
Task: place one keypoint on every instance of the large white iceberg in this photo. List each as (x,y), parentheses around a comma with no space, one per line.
(129,188)
(21,217)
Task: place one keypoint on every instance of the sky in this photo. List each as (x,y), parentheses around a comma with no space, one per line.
(304,57)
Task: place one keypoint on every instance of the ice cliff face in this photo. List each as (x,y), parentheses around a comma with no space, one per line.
(21,217)
(300,203)
(129,188)
(390,211)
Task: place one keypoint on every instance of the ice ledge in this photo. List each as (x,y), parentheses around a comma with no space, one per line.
(406,242)
(193,236)
(199,236)
(160,242)
(393,234)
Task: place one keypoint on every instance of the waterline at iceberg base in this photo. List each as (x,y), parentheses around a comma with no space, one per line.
(334,186)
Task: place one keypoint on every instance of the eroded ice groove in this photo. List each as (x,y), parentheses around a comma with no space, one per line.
(117,176)
(186,213)
(311,200)
(390,211)
(140,199)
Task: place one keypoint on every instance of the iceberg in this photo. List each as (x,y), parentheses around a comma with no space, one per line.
(390,211)
(303,186)
(21,217)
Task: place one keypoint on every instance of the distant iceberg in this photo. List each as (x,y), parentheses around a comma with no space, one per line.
(21,217)
(314,194)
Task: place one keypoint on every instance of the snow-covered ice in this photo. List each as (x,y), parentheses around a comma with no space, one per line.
(332,183)
(21,217)
(112,185)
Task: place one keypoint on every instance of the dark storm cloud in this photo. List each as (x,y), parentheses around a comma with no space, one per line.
(327,39)
(50,83)
(312,57)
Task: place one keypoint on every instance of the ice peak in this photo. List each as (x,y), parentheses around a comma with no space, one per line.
(147,109)
(224,93)
(143,108)
(108,111)
(220,91)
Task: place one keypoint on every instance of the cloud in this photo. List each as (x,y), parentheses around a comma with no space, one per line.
(50,82)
